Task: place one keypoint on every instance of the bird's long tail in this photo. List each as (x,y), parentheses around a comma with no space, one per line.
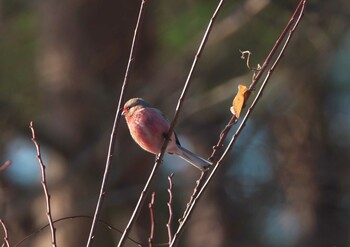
(195,160)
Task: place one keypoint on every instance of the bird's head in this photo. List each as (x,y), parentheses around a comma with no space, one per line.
(132,104)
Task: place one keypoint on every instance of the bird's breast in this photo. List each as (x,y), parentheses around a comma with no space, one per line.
(147,127)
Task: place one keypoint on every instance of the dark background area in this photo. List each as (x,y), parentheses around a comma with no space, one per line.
(285,183)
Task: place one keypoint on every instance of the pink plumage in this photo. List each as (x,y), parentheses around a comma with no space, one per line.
(148,128)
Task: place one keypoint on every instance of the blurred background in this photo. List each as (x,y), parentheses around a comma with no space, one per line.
(286,181)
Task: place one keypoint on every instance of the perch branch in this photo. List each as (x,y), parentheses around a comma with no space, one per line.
(102,193)
(171,129)
(44,185)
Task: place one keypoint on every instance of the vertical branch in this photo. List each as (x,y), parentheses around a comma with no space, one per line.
(150,206)
(114,129)
(171,129)
(290,32)
(44,185)
(6,237)
(170,191)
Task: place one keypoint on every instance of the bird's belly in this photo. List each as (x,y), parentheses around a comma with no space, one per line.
(149,129)
(148,134)
(146,140)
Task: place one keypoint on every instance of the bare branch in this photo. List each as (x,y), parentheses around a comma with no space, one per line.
(150,206)
(237,20)
(142,198)
(289,29)
(44,185)
(260,72)
(114,129)
(170,191)
(194,64)
(6,237)
(278,42)
(171,129)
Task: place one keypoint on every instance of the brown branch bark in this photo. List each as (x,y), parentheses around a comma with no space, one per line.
(44,185)
(169,203)
(150,206)
(6,237)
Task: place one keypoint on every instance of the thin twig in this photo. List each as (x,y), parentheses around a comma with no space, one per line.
(169,203)
(44,185)
(277,44)
(199,184)
(150,206)
(300,10)
(223,136)
(171,129)
(6,237)
(114,129)
(72,218)
(5,165)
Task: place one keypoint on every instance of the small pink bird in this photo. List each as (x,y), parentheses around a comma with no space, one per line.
(148,127)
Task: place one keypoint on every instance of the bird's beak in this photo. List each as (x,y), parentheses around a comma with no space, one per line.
(123,112)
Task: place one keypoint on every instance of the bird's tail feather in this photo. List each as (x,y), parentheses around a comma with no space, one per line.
(195,160)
